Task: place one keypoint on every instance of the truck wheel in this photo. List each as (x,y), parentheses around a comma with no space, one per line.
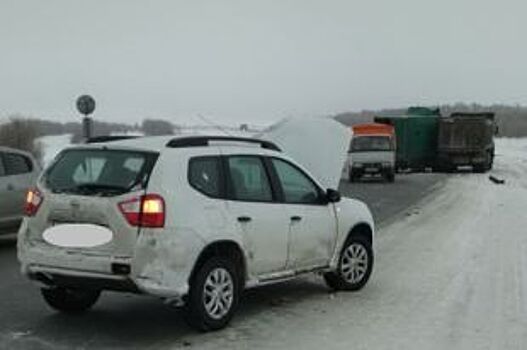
(214,295)
(485,166)
(355,266)
(70,301)
(479,168)
(449,168)
(490,160)
(352,177)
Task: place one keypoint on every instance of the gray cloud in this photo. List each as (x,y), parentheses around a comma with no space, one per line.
(257,60)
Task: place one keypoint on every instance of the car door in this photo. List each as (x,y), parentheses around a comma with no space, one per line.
(18,178)
(312,226)
(260,219)
(4,201)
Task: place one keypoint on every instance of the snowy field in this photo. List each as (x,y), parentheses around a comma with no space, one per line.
(52,145)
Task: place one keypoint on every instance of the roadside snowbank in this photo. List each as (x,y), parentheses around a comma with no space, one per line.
(52,145)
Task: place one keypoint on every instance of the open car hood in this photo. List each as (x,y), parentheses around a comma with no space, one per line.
(319,144)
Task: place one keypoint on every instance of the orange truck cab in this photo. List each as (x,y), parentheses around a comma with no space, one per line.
(372,151)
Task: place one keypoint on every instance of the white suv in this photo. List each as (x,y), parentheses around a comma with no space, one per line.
(194,220)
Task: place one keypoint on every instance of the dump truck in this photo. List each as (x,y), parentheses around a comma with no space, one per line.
(466,139)
(416,133)
(372,151)
(425,139)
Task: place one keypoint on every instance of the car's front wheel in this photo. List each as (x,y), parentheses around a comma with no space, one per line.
(355,265)
(214,295)
(69,300)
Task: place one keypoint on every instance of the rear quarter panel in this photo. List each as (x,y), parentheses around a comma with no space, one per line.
(164,259)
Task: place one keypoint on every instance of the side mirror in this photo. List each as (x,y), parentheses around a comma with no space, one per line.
(332,196)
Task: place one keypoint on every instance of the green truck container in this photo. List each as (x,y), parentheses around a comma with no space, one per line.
(416,134)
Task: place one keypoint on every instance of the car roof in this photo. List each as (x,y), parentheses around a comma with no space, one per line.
(161,143)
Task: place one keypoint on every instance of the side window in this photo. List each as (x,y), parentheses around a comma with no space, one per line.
(16,164)
(297,187)
(249,179)
(2,170)
(204,175)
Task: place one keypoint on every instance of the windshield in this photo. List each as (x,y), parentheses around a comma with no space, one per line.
(371,143)
(100,172)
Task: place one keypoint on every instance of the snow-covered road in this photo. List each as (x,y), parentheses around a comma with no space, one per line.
(453,275)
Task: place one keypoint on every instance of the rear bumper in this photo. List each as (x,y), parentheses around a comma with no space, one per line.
(52,276)
(371,169)
(161,264)
(463,157)
(42,264)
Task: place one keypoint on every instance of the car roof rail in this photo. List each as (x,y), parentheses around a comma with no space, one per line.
(110,138)
(197,141)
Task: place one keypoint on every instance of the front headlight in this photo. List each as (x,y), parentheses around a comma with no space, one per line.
(357,165)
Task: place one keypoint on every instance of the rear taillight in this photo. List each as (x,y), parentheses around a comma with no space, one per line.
(144,211)
(34,199)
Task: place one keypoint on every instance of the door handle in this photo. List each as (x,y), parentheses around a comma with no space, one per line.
(244,219)
(296,218)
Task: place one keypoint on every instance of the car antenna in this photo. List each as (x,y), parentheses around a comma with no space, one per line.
(214,125)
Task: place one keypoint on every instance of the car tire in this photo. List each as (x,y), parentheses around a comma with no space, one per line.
(390,177)
(70,301)
(214,295)
(355,265)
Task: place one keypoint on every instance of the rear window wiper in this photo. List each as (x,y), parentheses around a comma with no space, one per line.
(94,188)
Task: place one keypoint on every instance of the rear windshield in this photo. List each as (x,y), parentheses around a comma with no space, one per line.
(371,143)
(100,172)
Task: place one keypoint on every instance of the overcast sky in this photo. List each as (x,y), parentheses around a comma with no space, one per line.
(243,60)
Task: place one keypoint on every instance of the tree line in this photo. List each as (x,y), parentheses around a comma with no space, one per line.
(22,133)
(511,120)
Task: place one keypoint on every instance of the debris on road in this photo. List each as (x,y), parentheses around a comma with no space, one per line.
(496,180)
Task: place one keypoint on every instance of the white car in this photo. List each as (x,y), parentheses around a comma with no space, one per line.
(194,220)
(18,172)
